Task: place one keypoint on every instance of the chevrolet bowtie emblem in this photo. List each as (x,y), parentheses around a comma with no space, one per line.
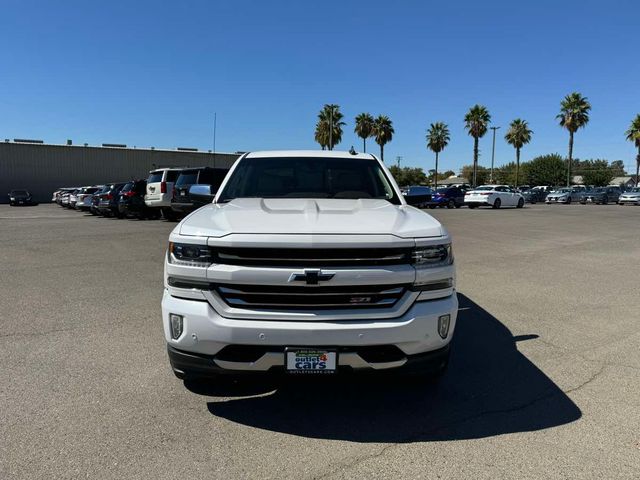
(311,276)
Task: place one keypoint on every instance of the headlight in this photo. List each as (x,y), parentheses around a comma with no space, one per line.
(12,199)
(190,255)
(432,256)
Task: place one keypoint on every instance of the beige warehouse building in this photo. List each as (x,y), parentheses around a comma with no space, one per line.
(42,168)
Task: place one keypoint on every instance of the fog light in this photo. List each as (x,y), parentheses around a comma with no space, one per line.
(176,325)
(443,325)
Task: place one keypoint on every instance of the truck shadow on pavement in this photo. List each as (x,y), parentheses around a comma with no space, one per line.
(490,389)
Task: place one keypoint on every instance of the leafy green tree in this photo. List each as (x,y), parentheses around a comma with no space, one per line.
(519,134)
(364,128)
(507,173)
(406,176)
(437,139)
(482,173)
(329,127)
(476,122)
(546,170)
(633,135)
(596,172)
(447,174)
(617,168)
(382,132)
(574,114)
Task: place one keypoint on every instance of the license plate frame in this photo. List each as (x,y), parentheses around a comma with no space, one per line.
(307,361)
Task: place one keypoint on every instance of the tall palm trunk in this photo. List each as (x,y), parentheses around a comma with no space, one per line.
(638,166)
(570,159)
(382,152)
(435,181)
(475,161)
(517,164)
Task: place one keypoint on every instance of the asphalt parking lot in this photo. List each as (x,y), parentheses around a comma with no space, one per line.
(544,380)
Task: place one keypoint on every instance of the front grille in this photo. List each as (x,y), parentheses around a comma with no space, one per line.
(312,257)
(295,298)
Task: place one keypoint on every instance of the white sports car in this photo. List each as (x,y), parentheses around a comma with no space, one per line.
(495,196)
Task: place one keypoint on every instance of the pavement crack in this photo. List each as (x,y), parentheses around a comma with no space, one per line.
(588,381)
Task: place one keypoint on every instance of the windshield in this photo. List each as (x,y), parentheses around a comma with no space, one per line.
(292,177)
(485,187)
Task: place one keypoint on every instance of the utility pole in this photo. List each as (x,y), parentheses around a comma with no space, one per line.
(398,160)
(493,152)
(215,115)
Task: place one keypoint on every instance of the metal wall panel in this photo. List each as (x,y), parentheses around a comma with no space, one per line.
(41,169)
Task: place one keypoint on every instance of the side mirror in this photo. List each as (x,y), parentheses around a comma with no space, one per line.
(201,194)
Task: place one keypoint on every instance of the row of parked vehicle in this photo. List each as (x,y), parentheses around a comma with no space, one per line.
(165,193)
(497,196)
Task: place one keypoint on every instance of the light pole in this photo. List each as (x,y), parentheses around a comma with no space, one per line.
(493,152)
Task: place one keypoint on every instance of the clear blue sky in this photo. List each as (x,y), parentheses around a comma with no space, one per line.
(153,73)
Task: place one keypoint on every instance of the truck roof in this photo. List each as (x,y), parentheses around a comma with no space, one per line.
(309,154)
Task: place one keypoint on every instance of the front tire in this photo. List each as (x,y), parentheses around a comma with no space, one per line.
(569,201)
(520,203)
(605,201)
(497,203)
(472,206)
(451,204)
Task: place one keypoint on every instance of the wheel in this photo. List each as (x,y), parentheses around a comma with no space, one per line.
(472,206)
(569,201)
(520,203)
(168,214)
(497,203)
(451,204)
(458,205)
(432,206)
(605,200)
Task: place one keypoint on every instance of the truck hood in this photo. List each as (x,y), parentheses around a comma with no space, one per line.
(310,216)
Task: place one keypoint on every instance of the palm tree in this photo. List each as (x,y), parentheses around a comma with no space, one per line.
(437,139)
(364,128)
(329,126)
(476,122)
(574,114)
(633,135)
(382,132)
(322,134)
(519,134)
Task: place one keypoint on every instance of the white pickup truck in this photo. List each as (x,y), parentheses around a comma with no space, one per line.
(308,262)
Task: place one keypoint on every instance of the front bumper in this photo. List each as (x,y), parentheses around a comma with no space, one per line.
(206,334)
(557,200)
(631,201)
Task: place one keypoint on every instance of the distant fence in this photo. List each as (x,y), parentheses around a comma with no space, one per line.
(42,168)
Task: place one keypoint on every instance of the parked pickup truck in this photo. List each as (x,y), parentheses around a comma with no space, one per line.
(308,262)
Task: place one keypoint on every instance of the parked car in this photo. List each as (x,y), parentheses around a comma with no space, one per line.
(108,201)
(73,198)
(159,193)
(131,201)
(530,195)
(20,197)
(565,195)
(417,195)
(450,197)
(631,197)
(85,197)
(337,275)
(495,196)
(182,203)
(601,195)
